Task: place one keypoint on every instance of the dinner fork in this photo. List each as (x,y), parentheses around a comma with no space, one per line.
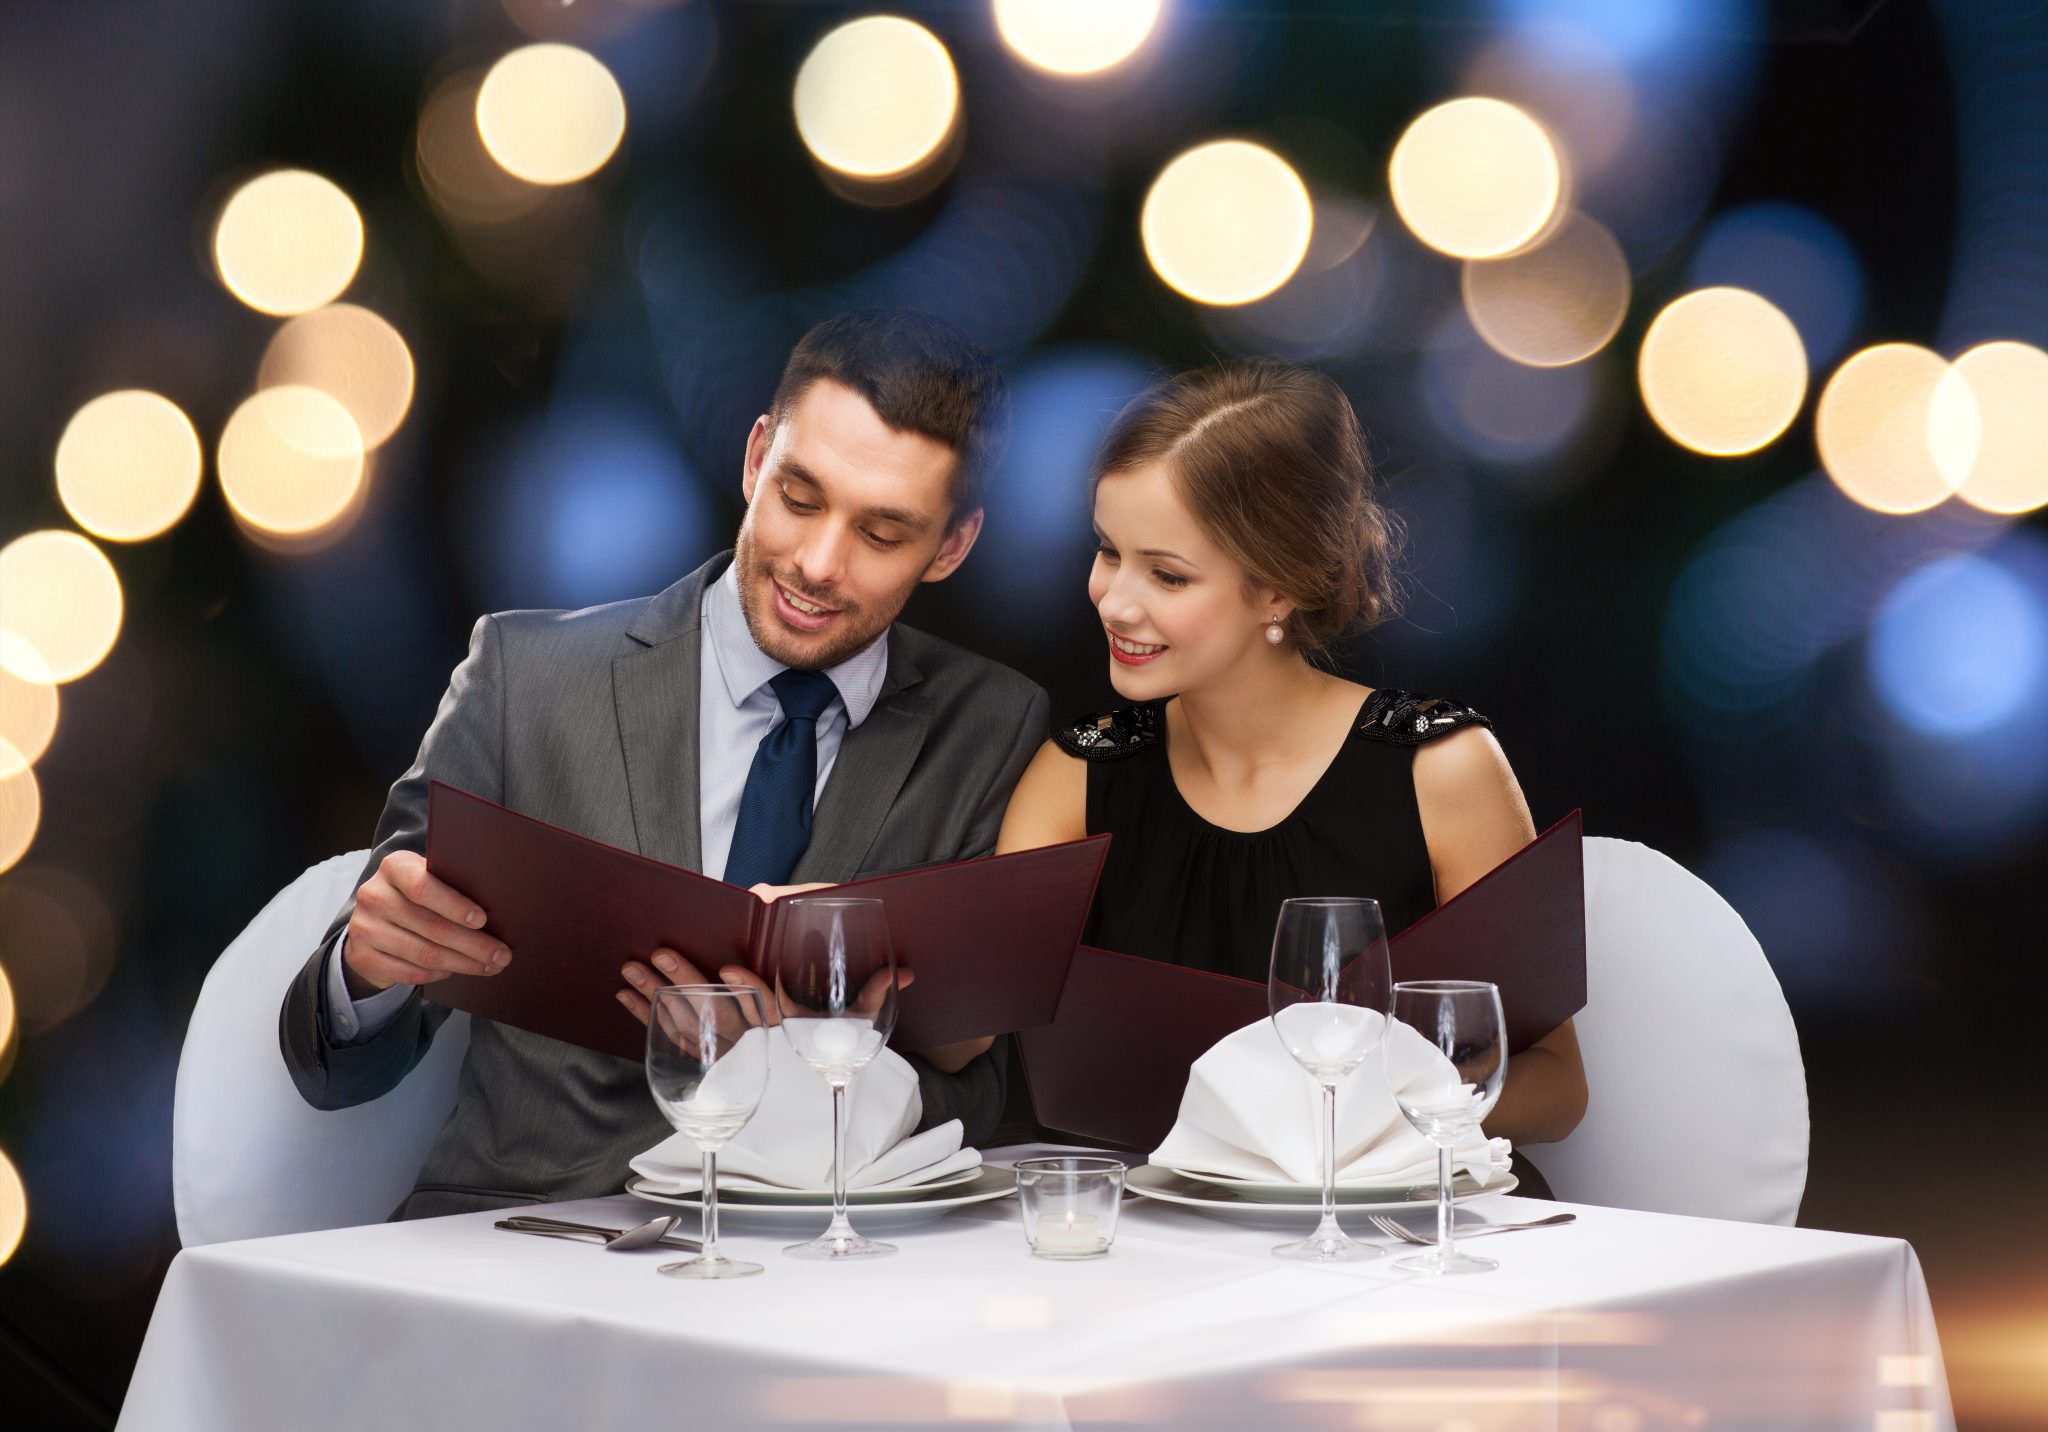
(1405,1235)
(655,1231)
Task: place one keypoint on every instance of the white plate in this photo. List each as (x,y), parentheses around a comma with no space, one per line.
(987,1184)
(1313,1192)
(1164,1184)
(730,1193)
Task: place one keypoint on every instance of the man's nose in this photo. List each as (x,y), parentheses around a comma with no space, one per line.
(821,560)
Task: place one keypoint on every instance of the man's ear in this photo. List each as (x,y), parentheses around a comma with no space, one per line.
(756,455)
(953,550)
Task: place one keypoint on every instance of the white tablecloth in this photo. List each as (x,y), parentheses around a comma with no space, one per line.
(1622,1321)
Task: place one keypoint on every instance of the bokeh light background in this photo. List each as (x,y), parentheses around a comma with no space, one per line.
(1700,343)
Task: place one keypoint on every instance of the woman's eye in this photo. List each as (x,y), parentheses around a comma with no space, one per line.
(1108,554)
(1169,579)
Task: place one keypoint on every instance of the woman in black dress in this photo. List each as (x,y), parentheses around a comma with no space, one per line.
(1237,537)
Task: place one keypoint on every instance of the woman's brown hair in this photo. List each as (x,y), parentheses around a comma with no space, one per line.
(1271,460)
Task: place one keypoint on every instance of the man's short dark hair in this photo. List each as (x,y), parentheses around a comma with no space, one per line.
(920,374)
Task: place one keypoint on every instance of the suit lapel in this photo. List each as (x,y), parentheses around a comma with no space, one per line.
(873,762)
(654,690)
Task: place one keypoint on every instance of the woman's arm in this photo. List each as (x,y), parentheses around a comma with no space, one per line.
(1473,818)
(1050,804)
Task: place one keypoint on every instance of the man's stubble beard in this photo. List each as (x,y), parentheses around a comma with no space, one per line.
(768,633)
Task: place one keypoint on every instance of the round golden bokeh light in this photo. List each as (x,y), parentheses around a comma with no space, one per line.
(287,242)
(1722,371)
(9,1024)
(1557,302)
(353,356)
(128,465)
(1073,38)
(1898,429)
(61,597)
(21,807)
(291,459)
(550,113)
(1476,178)
(13,1209)
(1227,222)
(28,703)
(2010,384)
(876,97)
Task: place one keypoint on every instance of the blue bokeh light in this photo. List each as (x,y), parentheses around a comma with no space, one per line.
(1832,925)
(1636,29)
(1061,402)
(1498,410)
(1797,260)
(589,504)
(1959,647)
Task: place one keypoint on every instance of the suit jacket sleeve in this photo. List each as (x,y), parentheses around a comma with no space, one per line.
(976,1094)
(464,747)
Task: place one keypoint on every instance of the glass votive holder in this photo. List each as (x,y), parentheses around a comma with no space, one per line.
(1069,1203)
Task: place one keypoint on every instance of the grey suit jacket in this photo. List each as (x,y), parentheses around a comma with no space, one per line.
(588,720)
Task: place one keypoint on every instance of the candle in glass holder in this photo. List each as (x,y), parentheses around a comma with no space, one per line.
(1069,1205)
(1074,1233)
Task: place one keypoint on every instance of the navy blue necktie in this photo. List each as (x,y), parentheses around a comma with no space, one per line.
(774,824)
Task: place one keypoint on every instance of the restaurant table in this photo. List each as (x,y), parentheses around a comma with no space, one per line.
(1619,1322)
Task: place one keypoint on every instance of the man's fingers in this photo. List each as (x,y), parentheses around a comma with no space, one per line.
(675,969)
(488,953)
(407,871)
(406,949)
(758,1012)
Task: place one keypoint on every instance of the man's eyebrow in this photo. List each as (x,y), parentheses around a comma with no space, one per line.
(915,521)
(794,471)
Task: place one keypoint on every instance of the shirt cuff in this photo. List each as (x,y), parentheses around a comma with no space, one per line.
(350,1020)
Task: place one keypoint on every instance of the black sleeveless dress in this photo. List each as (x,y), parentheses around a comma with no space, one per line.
(1179,889)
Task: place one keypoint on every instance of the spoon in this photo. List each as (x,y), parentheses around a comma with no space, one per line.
(643,1235)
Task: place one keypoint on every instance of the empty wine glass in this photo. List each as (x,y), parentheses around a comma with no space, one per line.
(1328,991)
(834,972)
(707,1065)
(1462,1018)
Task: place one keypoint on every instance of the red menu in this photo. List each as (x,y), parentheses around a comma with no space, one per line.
(990,939)
(1112,1064)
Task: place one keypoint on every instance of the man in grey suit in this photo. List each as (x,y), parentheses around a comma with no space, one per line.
(765,719)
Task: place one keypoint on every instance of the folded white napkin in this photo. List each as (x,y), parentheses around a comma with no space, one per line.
(788,1142)
(1251,1112)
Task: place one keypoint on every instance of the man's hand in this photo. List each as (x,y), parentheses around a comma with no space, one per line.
(772,893)
(671,968)
(409,928)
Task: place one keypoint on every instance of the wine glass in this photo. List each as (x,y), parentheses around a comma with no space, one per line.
(834,972)
(1462,1018)
(1328,990)
(707,1065)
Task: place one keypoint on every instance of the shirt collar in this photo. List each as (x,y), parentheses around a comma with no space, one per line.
(746,668)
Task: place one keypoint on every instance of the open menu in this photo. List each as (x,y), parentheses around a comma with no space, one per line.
(990,939)
(1114,1060)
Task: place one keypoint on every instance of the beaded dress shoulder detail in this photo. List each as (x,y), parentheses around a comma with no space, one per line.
(1402,718)
(1108,735)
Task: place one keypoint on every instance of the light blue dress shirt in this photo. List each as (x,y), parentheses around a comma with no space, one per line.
(736,707)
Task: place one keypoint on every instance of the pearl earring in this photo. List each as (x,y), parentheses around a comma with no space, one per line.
(1274,636)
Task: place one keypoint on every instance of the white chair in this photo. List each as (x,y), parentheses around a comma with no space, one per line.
(249,1157)
(1698,1093)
